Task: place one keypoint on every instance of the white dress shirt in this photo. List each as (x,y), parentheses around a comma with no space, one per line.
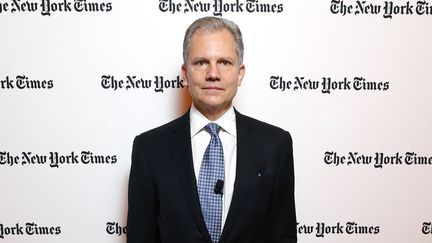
(200,141)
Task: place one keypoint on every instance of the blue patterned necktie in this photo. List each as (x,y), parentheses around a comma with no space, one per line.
(212,170)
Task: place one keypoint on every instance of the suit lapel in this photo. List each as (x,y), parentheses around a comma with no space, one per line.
(244,157)
(183,160)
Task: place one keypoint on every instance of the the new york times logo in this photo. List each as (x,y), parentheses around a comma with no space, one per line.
(387,9)
(321,229)
(158,84)
(218,7)
(327,85)
(28,229)
(56,159)
(377,160)
(47,7)
(24,82)
(113,228)
(427,228)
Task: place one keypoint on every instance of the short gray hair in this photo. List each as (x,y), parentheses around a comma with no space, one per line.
(211,25)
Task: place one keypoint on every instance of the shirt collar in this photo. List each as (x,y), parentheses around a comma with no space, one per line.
(227,121)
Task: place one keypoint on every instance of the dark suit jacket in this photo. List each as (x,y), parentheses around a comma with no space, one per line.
(163,197)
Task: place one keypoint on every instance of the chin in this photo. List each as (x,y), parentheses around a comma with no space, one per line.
(214,104)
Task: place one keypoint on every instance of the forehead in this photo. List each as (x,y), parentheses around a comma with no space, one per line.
(217,41)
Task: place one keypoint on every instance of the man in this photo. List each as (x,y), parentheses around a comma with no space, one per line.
(212,175)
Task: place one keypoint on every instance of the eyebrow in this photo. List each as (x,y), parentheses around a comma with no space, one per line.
(199,58)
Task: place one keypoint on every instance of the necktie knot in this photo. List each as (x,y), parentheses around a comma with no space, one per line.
(213,129)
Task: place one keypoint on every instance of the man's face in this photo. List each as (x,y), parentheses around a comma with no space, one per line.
(212,71)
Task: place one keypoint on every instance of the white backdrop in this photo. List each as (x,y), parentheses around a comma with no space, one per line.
(64,107)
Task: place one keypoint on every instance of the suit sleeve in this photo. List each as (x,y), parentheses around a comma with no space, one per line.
(142,200)
(282,223)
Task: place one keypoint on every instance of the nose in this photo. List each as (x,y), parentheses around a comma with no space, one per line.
(213,73)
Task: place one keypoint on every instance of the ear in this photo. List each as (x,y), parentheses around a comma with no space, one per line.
(184,74)
(241,74)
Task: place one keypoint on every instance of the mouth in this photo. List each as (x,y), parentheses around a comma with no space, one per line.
(212,88)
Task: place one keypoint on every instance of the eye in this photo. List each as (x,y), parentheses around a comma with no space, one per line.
(225,62)
(200,63)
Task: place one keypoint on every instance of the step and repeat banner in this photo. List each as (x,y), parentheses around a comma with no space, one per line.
(351,81)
